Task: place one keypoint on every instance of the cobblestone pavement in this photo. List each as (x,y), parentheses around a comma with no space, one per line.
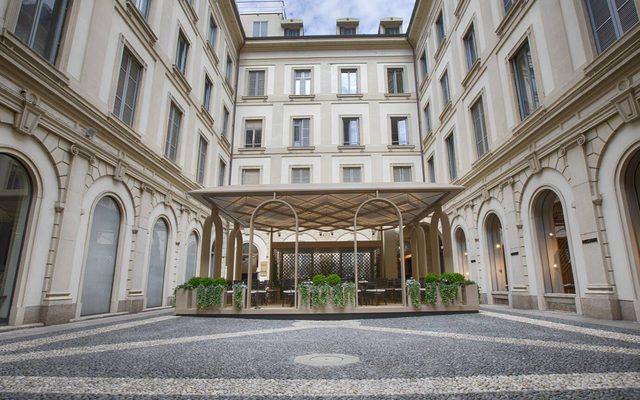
(496,354)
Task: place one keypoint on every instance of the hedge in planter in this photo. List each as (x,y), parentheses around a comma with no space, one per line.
(208,290)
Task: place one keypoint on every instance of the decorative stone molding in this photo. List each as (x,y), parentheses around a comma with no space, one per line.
(147,188)
(507,182)
(596,199)
(120,171)
(581,140)
(534,163)
(28,119)
(625,102)
(168,198)
(59,206)
(602,289)
(77,150)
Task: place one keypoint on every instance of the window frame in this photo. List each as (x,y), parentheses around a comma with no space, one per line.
(250,168)
(293,131)
(207,92)
(222,172)
(301,168)
(354,70)
(256,92)
(225,121)
(431,169)
(391,128)
(518,89)
(260,133)
(261,25)
(614,16)
(446,94)
(182,58)
(295,80)
(427,117)
(144,12)
(484,140)
(470,46)
(133,58)
(395,88)
(228,71)
(424,64)
(201,164)
(212,33)
(51,56)
(398,166)
(342,131)
(440,29)
(173,105)
(452,158)
(344,167)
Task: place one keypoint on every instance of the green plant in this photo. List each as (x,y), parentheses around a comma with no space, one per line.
(320,294)
(349,290)
(337,296)
(452,277)
(209,296)
(319,279)
(448,292)
(431,293)
(333,280)
(413,289)
(305,291)
(237,294)
(431,277)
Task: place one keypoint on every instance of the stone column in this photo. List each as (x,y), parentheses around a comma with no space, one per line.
(205,251)
(217,256)
(422,249)
(59,303)
(390,253)
(135,284)
(237,271)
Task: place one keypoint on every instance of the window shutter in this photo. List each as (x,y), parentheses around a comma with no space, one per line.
(602,23)
(627,14)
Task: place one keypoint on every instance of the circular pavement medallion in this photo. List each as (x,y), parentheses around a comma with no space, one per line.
(326,360)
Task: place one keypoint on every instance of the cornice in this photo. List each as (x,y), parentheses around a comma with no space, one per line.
(326,43)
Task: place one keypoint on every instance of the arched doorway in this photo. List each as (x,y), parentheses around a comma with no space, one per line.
(15,200)
(100,262)
(553,242)
(157,263)
(192,256)
(497,262)
(461,252)
(631,183)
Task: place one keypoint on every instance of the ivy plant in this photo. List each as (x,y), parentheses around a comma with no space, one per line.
(413,289)
(237,294)
(209,296)
(431,293)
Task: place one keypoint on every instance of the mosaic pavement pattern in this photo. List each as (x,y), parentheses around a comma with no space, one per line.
(491,355)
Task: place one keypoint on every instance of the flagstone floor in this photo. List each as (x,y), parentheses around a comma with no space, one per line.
(496,354)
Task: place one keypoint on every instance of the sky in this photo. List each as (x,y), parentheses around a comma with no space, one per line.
(320,15)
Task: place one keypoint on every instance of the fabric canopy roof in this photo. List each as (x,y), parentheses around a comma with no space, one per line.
(326,207)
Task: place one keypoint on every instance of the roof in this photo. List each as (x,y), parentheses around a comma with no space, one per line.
(327,207)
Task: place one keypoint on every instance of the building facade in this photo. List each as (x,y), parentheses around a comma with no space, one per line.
(112,111)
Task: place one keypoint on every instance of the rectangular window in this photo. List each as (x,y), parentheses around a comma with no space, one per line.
(206,97)
(291,32)
(228,72)
(40,25)
(423,64)
(143,7)
(479,127)
(427,118)
(127,90)
(302,82)
(440,29)
(470,47)
(348,81)
(225,121)
(431,170)
(444,86)
(507,5)
(202,159)
(451,154)
(394,80)
(399,131)
(250,176)
(300,175)
(301,136)
(256,83)
(253,133)
(222,171)
(213,32)
(351,131)
(181,53)
(402,173)
(344,31)
(260,28)
(173,133)
(351,174)
(525,81)
(610,19)
(394,30)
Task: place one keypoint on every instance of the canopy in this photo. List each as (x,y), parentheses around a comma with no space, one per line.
(327,207)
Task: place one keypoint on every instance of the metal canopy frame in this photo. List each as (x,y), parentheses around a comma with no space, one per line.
(327,208)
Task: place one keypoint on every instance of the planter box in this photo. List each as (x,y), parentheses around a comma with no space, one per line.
(185,300)
(467,300)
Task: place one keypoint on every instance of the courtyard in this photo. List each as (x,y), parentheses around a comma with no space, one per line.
(497,353)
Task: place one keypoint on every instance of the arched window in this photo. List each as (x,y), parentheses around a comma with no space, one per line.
(192,256)
(495,249)
(157,262)
(553,242)
(15,201)
(461,252)
(100,262)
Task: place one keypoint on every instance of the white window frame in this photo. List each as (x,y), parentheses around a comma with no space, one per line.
(305,86)
(255,133)
(201,164)
(348,141)
(396,119)
(349,70)
(263,28)
(395,86)
(300,142)
(256,90)
(345,167)
(299,168)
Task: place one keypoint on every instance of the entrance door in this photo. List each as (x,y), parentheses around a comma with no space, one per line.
(100,264)
(157,262)
(15,200)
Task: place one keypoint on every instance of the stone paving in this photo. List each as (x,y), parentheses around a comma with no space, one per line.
(496,354)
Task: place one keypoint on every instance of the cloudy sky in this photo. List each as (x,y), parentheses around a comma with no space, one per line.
(320,15)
